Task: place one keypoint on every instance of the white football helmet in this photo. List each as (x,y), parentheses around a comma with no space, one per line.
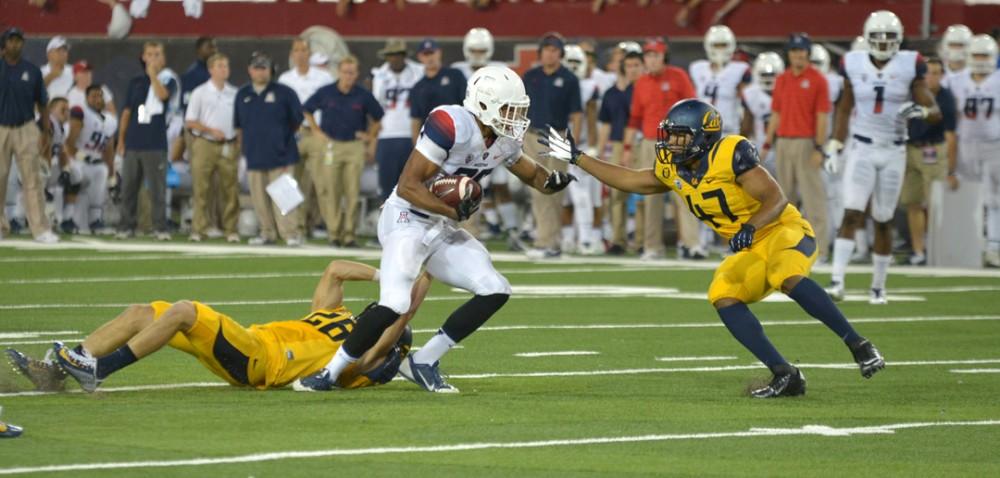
(630,47)
(720,44)
(575,60)
(982,45)
(478,47)
(955,43)
(884,33)
(496,97)
(820,58)
(766,69)
(859,43)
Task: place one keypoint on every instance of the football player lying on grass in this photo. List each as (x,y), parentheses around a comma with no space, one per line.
(270,355)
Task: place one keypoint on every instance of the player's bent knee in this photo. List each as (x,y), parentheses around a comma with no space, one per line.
(399,303)
(182,312)
(788,284)
(725,302)
(494,284)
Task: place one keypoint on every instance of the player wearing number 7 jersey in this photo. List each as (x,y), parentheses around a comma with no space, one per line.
(721,180)
(264,356)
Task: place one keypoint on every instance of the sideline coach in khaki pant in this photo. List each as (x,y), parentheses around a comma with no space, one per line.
(349,125)
(21,89)
(799,109)
(555,101)
(267,114)
(209,116)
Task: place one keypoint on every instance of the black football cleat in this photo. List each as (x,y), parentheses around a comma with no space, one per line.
(868,358)
(784,385)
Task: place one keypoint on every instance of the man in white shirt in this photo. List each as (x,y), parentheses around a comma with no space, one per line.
(58,78)
(83,77)
(391,85)
(305,79)
(209,116)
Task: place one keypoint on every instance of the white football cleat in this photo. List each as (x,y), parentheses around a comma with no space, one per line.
(878,297)
(992,258)
(47,237)
(836,291)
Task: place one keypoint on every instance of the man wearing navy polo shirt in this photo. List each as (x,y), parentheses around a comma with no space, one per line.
(142,140)
(441,85)
(267,116)
(612,119)
(555,102)
(21,90)
(349,125)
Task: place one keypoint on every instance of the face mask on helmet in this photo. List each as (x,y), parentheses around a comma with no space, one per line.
(884,34)
(883,45)
(720,44)
(955,43)
(478,47)
(513,121)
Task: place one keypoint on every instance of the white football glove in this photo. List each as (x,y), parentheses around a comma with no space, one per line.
(831,150)
(911,110)
(563,149)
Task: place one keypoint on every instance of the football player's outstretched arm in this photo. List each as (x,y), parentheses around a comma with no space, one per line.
(641,181)
(757,182)
(329,292)
(411,186)
(538,177)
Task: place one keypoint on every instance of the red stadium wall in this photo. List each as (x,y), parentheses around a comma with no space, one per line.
(754,18)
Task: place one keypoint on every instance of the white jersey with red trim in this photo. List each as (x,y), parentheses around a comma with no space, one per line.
(98,128)
(392,90)
(879,93)
(978,106)
(451,139)
(721,89)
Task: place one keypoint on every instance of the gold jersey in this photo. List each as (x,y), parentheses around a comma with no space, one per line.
(712,193)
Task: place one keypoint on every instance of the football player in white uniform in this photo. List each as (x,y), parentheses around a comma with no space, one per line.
(477,48)
(91,131)
(954,49)
(885,88)
(719,80)
(977,96)
(820,58)
(417,229)
(757,99)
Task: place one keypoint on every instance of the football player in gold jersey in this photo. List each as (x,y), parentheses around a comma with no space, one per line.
(723,184)
(265,356)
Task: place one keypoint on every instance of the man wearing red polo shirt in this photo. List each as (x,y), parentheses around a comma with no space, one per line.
(655,93)
(800,106)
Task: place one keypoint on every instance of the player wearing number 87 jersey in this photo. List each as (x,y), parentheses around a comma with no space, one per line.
(721,180)
(263,356)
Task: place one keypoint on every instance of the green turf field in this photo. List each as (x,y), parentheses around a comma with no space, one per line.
(657,387)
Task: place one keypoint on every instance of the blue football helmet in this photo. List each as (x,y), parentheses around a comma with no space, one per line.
(694,117)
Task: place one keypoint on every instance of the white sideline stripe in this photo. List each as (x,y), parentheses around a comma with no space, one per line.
(556,354)
(693,359)
(322,251)
(135,257)
(576,373)
(49,341)
(811,430)
(975,370)
(32,334)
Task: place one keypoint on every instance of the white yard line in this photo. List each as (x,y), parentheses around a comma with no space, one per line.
(556,354)
(695,359)
(110,257)
(49,341)
(573,373)
(975,370)
(806,430)
(321,251)
(32,334)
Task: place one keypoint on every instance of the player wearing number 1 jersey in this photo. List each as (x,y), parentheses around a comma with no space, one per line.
(723,184)
(885,88)
(264,356)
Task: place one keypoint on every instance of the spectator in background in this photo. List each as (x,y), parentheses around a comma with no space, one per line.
(305,79)
(21,91)
(612,120)
(197,73)
(209,117)
(440,85)
(931,155)
(655,93)
(57,74)
(800,107)
(266,118)
(350,124)
(391,85)
(555,102)
(83,77)
(142,141)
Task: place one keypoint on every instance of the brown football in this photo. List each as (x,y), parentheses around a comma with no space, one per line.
(454,189)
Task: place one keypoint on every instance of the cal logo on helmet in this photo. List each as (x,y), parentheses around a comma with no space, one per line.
(712,121)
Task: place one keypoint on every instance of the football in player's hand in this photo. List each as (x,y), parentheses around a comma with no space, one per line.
(455,189)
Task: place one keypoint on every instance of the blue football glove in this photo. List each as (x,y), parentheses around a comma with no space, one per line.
(743,239)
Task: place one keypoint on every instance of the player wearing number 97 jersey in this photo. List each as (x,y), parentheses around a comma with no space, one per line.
(264,356)
(721,180)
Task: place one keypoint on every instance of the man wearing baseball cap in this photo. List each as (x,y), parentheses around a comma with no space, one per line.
(392,83)
(22,90)
(58,78)
(83,77)
(654,94)
(441,85)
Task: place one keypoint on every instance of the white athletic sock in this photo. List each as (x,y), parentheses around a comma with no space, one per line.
(842,249)
(434,349)
(69,211)
(568,234)
(596,235)
(491,216)
(880,269)
(96,214)
(339,362)
(861,237)
(993,228)
(508,215)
